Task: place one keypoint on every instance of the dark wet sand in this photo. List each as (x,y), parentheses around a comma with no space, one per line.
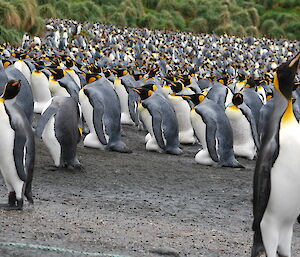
(139,204)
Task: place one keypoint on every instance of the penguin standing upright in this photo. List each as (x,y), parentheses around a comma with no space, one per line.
(245,136)
(60,129)
(102,112)
(17,149)
(214,132)
(276,185)
(40,88)
(163,120)
(123,96)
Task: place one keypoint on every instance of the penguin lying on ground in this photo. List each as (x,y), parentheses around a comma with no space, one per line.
(60,129)
(276,185)
(17,148)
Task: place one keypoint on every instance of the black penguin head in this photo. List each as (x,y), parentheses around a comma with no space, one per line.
(57,73)
(39,65)
(186,79)
(120,72)
(237,99)
(91,77)
(195,98)
(69,63)
(138,76)
(152,72)
(285,75)
(12,88)
(176,86)
(144,92)
(6,63)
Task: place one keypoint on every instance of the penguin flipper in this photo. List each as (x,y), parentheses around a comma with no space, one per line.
(157,129)
(211,130)
(97,120)
(47,114)
(132,105)
(24,150)
(249,116)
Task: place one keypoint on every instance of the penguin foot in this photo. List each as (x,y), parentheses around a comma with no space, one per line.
(175,151)
(119,147)
(51,168)
(258,248)
(15,207)
(234,164)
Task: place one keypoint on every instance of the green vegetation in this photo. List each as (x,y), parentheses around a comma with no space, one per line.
(270,18)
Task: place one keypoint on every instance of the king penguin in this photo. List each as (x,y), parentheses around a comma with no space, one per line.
(40,87)
(245,135)
(214,132)
(123,96)
(102,112)
(60,128)
(17,148)
(163,120)
(276,184)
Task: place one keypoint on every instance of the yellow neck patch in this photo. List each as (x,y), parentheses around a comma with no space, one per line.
(234,107)
(2,100)
(288,115)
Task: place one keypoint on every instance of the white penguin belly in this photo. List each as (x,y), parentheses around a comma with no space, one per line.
(7,162)
(151,143)
(182,110)
(243,143)
(284,199)
(123,97)
(51,141)
(203,156)
(91,139)
(40,90)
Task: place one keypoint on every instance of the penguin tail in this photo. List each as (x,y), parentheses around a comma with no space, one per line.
(258,247)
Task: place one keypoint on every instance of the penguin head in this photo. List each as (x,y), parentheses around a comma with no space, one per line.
(285,75)
(138,76)
(176,86)
(57,73)
(12,88)
(144,92)
(91,77)
(195,98)
(237,99)
(152,72)
(120,72)
(6,63)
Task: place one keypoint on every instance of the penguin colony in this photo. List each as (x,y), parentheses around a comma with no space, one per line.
(232,96)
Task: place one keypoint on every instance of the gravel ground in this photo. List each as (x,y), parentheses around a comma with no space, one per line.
(139,204)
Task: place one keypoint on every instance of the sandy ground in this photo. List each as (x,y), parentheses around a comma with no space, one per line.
(139,204)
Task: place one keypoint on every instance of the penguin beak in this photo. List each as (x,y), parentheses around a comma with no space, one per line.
(17,83)
(295,61)
(138,91)
(186,96)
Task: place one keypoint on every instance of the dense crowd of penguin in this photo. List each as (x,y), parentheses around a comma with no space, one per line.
(233,96)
